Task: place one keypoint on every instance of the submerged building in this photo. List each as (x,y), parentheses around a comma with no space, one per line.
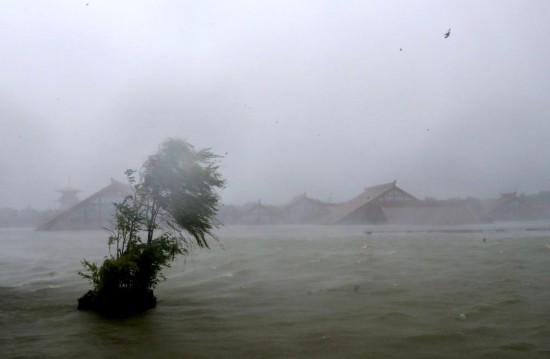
(510,207)
(305,210)
(68,197)
(258,213)
(228,214)
(366,208)
(94,212)
(429,213)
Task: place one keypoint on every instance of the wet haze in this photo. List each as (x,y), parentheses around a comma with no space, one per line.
(309,96)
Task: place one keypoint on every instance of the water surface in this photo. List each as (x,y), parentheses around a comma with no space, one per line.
(291,292)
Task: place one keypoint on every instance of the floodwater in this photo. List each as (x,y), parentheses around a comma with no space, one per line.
(291,292)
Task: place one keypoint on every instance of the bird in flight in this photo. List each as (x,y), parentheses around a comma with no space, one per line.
(448,33)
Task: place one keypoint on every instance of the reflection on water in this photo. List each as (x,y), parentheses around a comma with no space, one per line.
(308,291)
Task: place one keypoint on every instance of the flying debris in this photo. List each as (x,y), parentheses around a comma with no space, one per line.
(448,33)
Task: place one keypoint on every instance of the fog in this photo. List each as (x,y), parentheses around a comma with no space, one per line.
(311,96)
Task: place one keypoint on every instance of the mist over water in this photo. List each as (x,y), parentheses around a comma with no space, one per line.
(308,97)
(324,98)
(292,291)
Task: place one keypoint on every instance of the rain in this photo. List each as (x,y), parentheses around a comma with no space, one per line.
(317,97)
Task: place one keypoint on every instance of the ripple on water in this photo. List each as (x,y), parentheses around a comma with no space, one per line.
(273,293)
(395,318)
(519,347)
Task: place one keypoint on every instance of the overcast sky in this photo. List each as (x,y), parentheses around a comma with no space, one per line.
(323,97)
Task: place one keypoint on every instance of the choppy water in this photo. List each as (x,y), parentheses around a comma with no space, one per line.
(291,292)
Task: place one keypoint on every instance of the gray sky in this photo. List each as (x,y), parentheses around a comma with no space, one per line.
(303,96)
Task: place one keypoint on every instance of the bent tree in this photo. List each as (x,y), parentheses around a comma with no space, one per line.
(171,209)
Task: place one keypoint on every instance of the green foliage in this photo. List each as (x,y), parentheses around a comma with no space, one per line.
(183,181)
(175,197)
(93,276)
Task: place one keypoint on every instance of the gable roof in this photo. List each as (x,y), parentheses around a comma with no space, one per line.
(305,210)
(493,207)
(450,212)
(368,196)
(259,213)
(302,198)
(258,206)
(114,189)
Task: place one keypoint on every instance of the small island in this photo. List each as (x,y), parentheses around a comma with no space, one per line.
(171,209)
